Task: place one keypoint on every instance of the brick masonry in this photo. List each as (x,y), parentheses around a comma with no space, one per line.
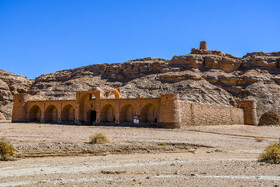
(94,107)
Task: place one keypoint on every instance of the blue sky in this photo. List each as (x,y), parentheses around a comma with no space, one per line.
(44,36)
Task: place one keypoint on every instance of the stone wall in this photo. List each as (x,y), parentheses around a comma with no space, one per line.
(206,114)
(20,107)
(250,111)
(167,111)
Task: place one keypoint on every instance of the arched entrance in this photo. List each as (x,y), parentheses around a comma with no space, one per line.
(91,116)
(68,114)
(51,114)
(86,102)
(148,114)
(35,114)
(108,113)
(127,113)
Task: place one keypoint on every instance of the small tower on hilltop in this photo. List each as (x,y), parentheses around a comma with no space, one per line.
(203,45)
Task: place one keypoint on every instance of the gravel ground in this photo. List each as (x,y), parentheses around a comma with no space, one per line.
(231,160)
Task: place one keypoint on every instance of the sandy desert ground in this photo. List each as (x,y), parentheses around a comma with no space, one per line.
(59,155)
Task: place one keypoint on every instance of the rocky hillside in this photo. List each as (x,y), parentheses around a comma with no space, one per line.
(11,84)
(206,76)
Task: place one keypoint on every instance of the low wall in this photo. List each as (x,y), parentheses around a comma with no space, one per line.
(208,114)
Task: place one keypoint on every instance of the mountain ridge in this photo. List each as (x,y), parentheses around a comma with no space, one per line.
(206,76)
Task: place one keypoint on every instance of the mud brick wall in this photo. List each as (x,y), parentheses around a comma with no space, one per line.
(206,114)
(20,111)
(237,115)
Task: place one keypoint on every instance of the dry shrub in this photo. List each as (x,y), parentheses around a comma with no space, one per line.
(271,154)
(269,118)
(7,150)
(259,139)
(99,138)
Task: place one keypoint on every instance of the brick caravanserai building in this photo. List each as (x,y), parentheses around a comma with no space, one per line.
(96,107)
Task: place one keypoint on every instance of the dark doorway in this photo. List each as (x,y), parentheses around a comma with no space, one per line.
(92,116)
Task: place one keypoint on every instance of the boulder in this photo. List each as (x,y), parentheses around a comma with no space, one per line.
(269,118)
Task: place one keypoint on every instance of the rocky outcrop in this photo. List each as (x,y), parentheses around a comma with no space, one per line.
(207,59)
(11,84)
(206,76)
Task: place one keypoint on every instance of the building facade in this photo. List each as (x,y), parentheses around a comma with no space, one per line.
(96,107)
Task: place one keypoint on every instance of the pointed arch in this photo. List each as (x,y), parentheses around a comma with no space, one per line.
(68,113)
(127,112)
(108,113)
(82,107)
(148,113)
(51,114)
(35,114)
(116,93)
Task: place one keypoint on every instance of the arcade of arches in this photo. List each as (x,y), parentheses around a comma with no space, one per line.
(107,113)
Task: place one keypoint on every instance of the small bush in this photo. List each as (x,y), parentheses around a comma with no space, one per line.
(259,139)
(99,138)
(7,150)
(271,154)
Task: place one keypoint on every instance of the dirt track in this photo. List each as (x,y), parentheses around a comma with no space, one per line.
(230,162)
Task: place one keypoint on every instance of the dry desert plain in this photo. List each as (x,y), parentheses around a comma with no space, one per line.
(59,155)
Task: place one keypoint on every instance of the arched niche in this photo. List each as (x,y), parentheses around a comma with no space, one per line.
(127,113)
(148,113)
(35,114)
(107,113)
(51,114)
(68,113)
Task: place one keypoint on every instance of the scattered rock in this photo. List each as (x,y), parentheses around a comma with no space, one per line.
(112,172)
(218,150)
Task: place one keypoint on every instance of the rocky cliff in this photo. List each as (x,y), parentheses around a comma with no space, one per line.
(11,84)
(206,76)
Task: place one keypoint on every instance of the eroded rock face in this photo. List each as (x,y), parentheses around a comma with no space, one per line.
(11,84)
(205,76)
(207,59)
(2,117)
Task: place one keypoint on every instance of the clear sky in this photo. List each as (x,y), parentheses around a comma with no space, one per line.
(44,36)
